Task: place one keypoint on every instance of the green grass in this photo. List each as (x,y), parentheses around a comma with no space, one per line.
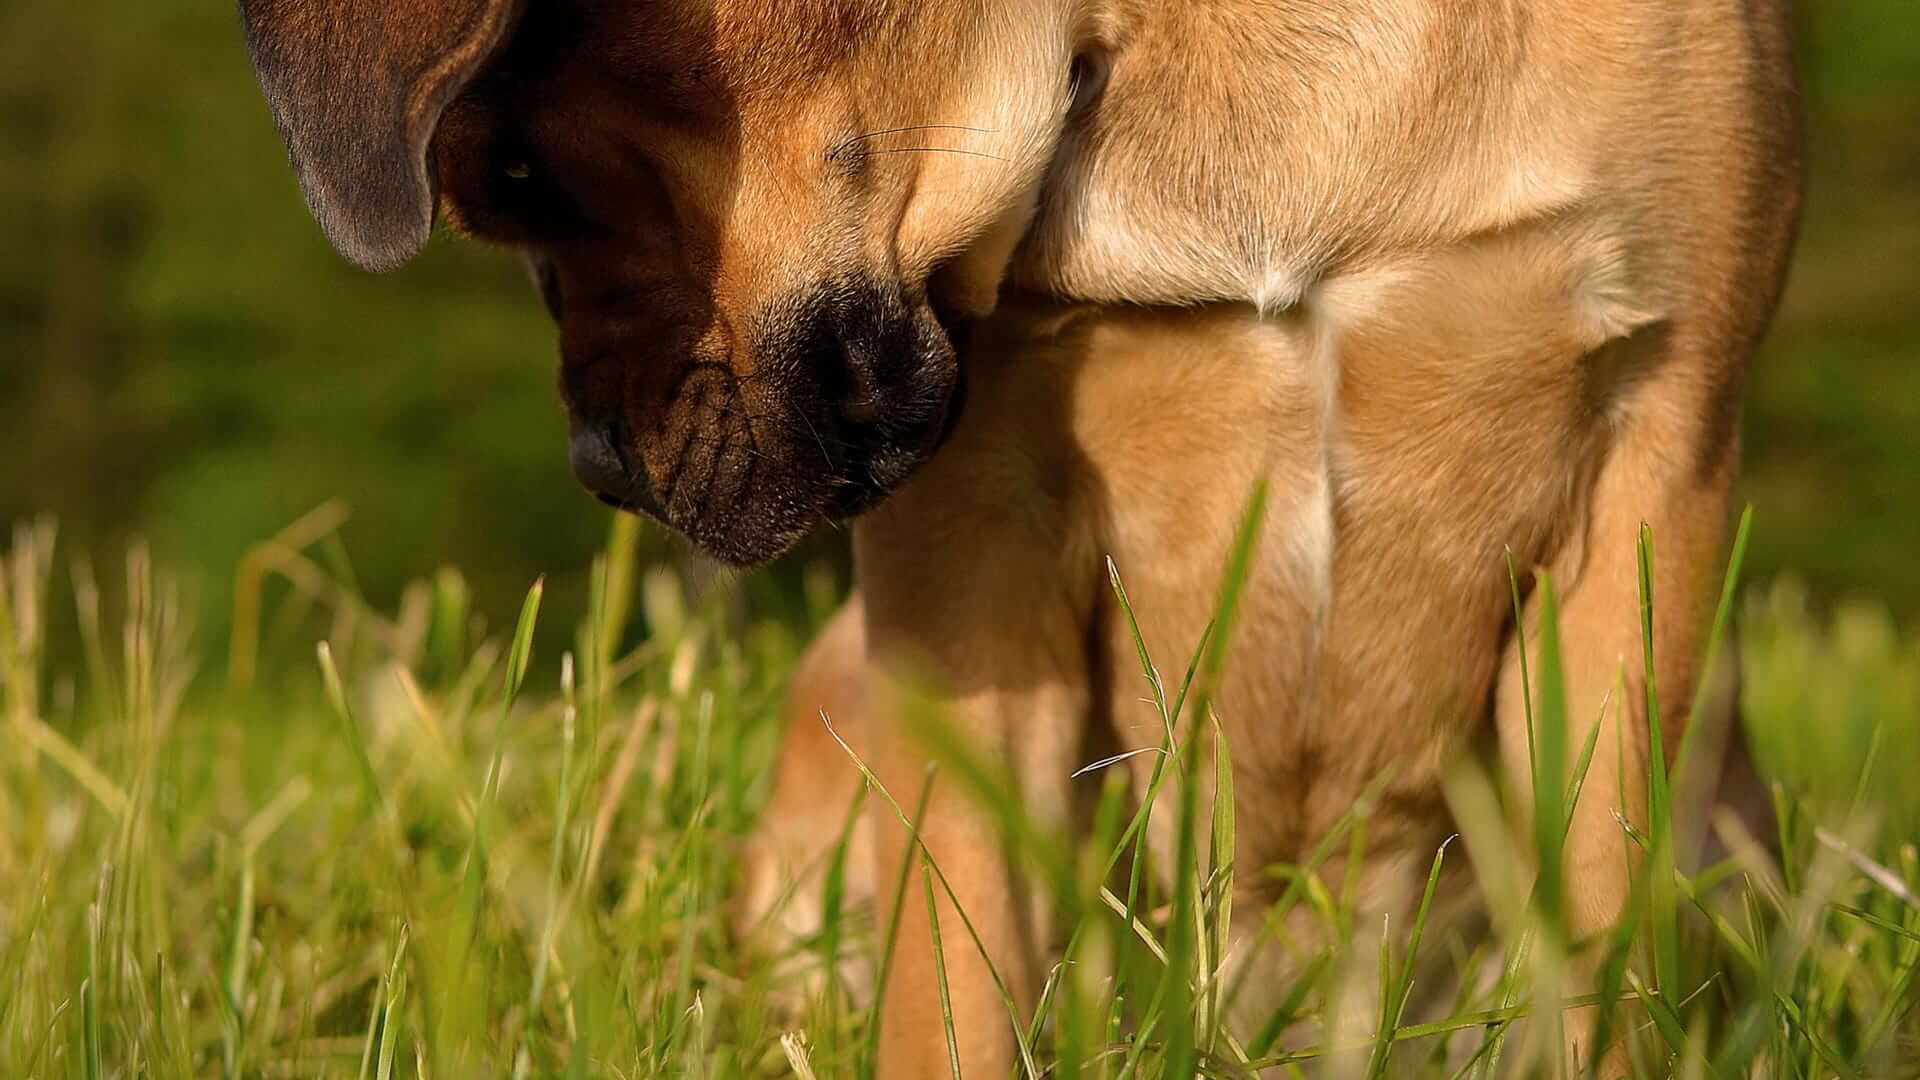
(425,853)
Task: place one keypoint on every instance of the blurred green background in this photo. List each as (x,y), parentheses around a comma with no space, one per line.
(182,357)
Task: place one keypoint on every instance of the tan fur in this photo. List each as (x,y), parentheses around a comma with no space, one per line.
(1517,256)
(813,807)
(1461,277)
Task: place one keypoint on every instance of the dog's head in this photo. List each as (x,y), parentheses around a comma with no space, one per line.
(760,224)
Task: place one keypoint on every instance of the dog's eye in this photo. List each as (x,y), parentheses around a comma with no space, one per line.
(522,198)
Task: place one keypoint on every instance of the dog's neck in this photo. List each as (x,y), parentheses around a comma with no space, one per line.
(1247,148)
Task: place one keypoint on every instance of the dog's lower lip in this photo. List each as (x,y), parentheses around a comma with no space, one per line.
(626,507)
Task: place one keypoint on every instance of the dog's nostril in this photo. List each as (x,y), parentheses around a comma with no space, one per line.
(594,451)
(596,460)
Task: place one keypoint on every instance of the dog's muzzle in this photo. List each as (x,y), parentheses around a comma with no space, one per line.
(868,387)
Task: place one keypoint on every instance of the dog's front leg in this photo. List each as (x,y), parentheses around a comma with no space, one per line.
(781,901)
(992,647)
(1659,471)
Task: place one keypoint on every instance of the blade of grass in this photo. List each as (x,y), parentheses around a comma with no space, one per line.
(940,968)
(833,893)
(1283,1017)
(1303,879)
(1137,831)
(1072,1033)
(473,883)
(693,848)
(1871,919)
(556,902)
(1402,987)
(1880,875)
(389,1020)
(89,997)
(350,728)
(1233,582)
(1716,633)
(1184,948)
(370,1042)
(1549,727)
(1662,909)
(389,1036)
(1742,1045)
(1578,781)
(1139,929)
(233,1032)
(518,657)
(793,1045)
(1223,840)
(1665,1020)
(891,938)
(1526,670)
(1695,805)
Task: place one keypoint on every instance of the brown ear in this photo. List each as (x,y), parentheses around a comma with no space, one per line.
(357,88)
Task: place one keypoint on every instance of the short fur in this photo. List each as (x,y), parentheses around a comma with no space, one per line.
(1471,276)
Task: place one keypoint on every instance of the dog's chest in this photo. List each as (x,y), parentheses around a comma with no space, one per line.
(1412,428)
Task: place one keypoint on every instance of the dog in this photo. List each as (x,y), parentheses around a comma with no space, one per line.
(1015,284)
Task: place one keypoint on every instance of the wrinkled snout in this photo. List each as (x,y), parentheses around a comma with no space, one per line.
(824,406)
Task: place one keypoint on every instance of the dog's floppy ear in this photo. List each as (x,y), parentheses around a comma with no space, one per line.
(357,88)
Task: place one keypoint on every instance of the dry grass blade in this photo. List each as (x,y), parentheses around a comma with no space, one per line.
(1875,872)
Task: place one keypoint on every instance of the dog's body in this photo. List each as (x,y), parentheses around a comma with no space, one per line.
(1482,277)
(1539,349)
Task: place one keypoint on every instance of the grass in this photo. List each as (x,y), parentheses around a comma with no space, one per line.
(427,853)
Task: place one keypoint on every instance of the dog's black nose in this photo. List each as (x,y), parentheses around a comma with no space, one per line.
(594,451)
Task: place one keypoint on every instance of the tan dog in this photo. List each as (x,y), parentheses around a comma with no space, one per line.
(1486,276)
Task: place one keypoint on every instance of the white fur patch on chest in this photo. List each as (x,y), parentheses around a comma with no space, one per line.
(1323,310)
(1277,289)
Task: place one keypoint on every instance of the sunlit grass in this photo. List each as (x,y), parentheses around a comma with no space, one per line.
(413,858)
